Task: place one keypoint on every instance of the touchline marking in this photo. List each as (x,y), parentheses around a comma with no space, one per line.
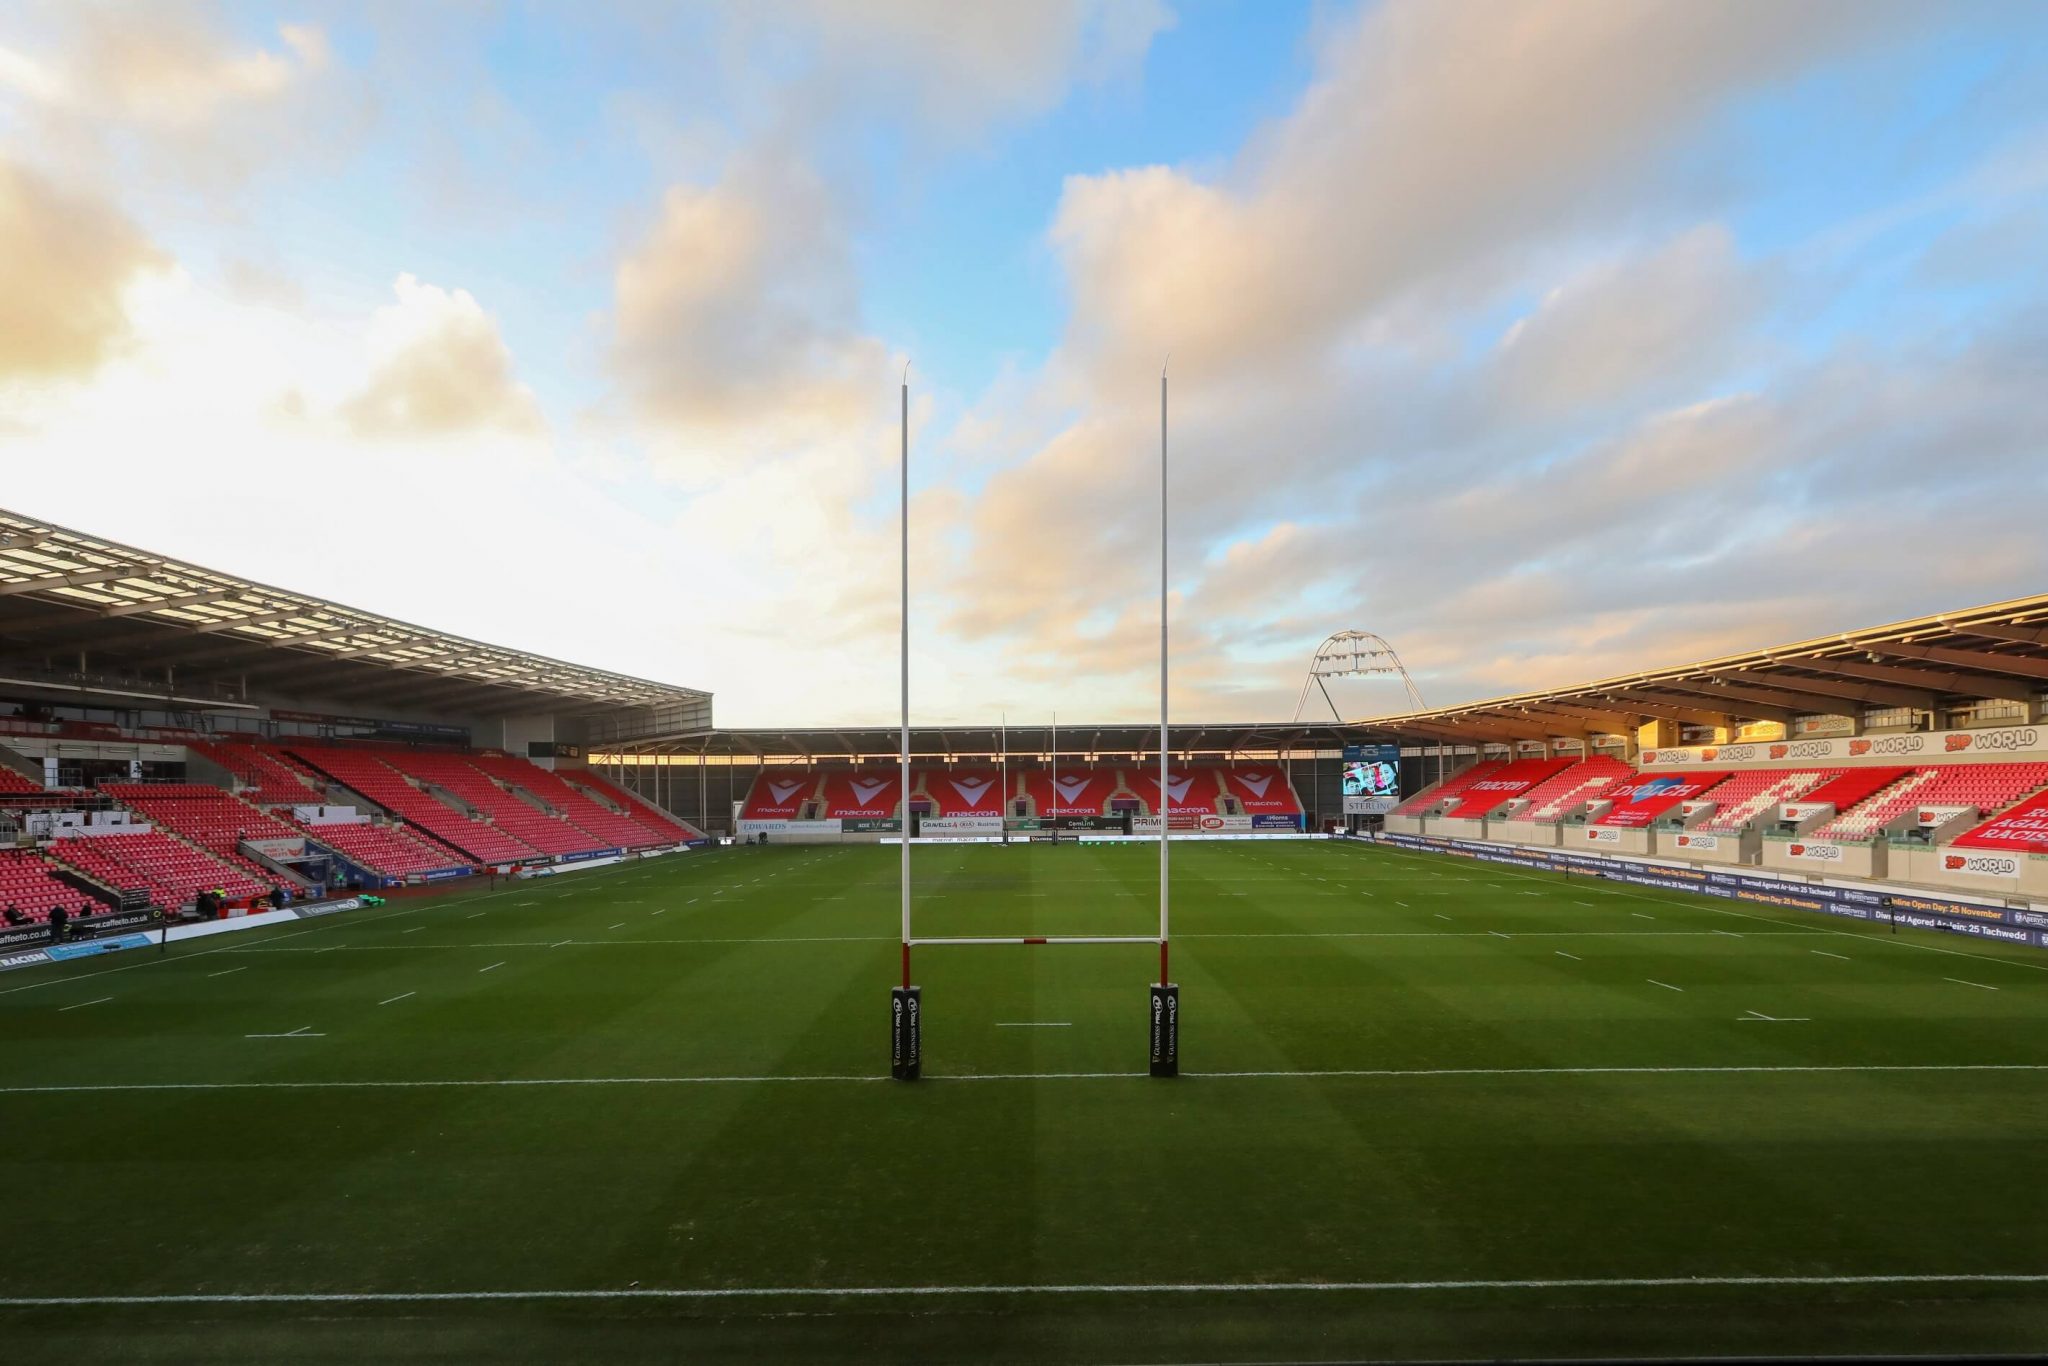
(299,1033)
(499,964)
(1573,956)
(1752,1016)
(620,926)
(1825,954)
(1439,915)
(862,1079)
(81,1005)
(1957,980)
(1666,985)
(817,1292)
(225,971)
(1498,935)
(414,930)
(1640,916)
(400,997)
(472,917)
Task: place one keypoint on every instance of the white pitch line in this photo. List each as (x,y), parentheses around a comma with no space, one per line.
(1439,915)
(1383,1073)
(1573,956)
(1034,1024)
(225,971)
(494,965)
(414,930)
(741,1292)
(81,1005)
(1640,916)
(1498,935)
(472,917)
(1825,954)
(1587,904)
(1961,983)
(620,926)
(299,1033)
(400,997)
(1666,985)
(1730,933)
(1753,1016)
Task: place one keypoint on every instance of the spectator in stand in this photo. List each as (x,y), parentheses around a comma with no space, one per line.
(14,916)
(279,897)
(207,905)
(58,917)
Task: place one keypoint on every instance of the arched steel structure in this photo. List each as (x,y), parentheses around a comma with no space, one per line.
(1352,654)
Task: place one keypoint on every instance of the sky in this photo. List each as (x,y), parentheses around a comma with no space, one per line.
(1548,341)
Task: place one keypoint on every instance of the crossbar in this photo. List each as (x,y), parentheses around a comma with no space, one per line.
(1043,939)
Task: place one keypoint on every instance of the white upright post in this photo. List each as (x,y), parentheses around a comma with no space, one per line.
(1165,793)
(906,1030)
(1163,1019)
(1055,778)
(904,660)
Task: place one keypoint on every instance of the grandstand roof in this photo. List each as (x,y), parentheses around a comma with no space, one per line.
(1997,652)
(934,742)
(88,617)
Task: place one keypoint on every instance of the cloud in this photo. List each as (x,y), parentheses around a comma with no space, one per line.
(441,369)
(950,70)
(736,324)
(1436,139)
(1638,324)
(163,95)
(156,66)
(1465,356)
(69,260)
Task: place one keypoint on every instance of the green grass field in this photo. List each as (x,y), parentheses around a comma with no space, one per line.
(1429,1109)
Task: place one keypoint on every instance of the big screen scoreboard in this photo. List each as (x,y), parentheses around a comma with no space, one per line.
(1372,779)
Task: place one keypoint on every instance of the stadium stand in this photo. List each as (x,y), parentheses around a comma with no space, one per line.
(607,793)
(384,786)
(1450,788)
(1639,801)
(265,775)
(10,781)
(1987,787)
(1481,796)
(960,791)
(1745,796)
(1583,781)
(32,887)
(1261,790)
(607,825)
(509,813)
(1189,788)
(206,816)
(169,871)
(872,794)
(779,794)
(1852,786)
(388,850)
(1076,792)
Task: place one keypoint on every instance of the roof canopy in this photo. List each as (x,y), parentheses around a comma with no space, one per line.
(109,621)
(1998,652)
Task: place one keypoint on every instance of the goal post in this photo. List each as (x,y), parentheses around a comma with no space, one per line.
(906,1005)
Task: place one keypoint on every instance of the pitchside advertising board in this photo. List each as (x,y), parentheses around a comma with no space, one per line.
(1372,779)
(2000,742)
(2008,924)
